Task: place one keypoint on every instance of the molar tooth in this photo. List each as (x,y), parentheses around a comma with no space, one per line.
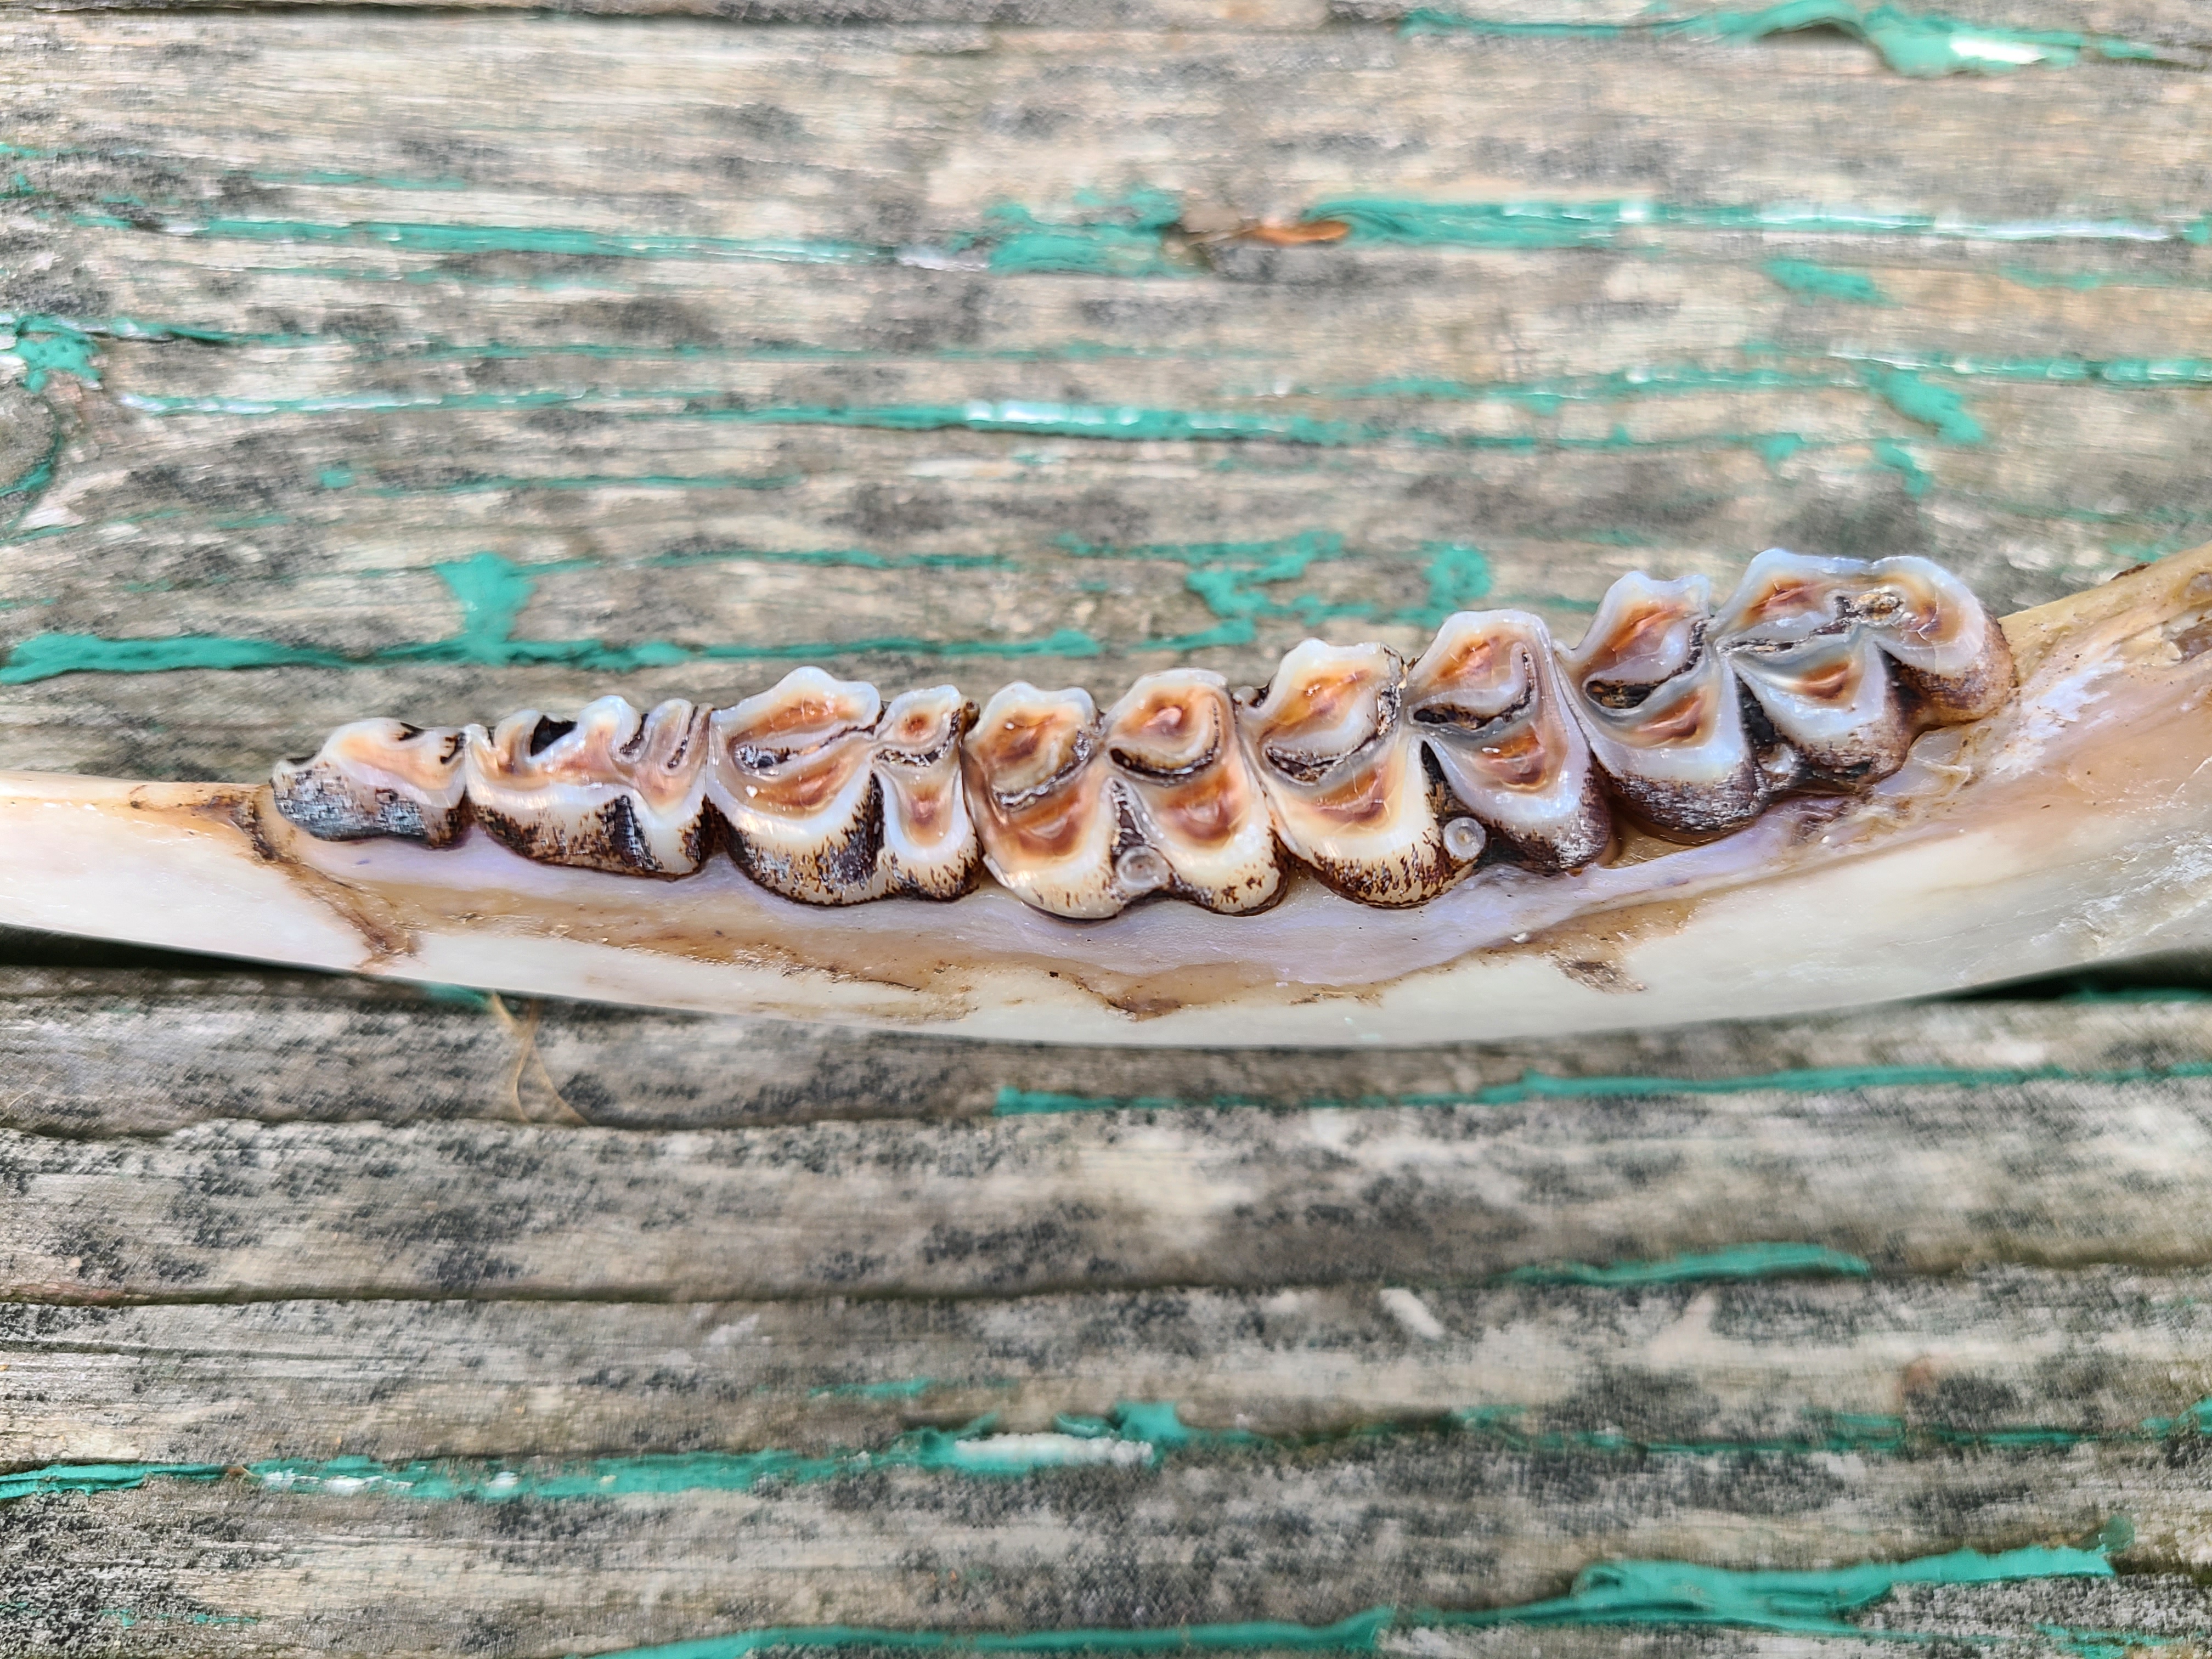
(1046,809)
(832,798)
(379,778)
(1793,635)
(1487,700)
(1189,788)
(609,790)
(1343,776)
(1663,710)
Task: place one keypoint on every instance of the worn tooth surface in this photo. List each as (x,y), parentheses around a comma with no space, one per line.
(1390,784)
(1796,635)
(611,789)
(1343,778)
(1189,792)
(379,778)
(1947,648)
(1487,700)
(1663,710)
(790,771)
(929,835)
(1045,808)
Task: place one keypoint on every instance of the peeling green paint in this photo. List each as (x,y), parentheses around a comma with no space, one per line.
(1938,406)
(1681,1593)
(1917,43)
(1740,1261)
(455,239)
(1612,1593)
(1120,238)
(1802,277)
(492,592)
(1536,222)
(47,346)
(1894,457)
(1459,577)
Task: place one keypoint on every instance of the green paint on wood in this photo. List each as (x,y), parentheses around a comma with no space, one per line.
(1918,44)
(1896,458)
(1459,577)
(1916,399)
(1122,238)
(1814,281)
(1741,1261)
(423,237)
(1357,1634)
(1539,223)
(1533,1085)
(1681,1593)
(492,592)
(47,346)
(964,1451)
(1648,1593)
(1122,422)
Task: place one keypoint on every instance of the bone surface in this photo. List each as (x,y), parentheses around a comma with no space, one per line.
(2071,823)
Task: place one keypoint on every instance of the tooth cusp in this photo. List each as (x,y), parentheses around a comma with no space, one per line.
(612,789)
(379,777)
(1194,820)
(832,798)
(1487,699)
(1662,709)
(1343,774)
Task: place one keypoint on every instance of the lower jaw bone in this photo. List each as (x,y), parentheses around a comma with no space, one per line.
(2072,826)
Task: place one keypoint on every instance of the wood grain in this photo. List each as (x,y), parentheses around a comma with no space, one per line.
(449,360)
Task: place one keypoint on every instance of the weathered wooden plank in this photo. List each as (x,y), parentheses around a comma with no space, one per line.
(436,286)
(2060,1172)
(1873,1367)
(1307,1538)
(101,1052)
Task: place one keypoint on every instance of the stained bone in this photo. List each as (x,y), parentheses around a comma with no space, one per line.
(1662,709)
(609,790)
(1487,700)
(831,799)
(1344,776)
(379,778)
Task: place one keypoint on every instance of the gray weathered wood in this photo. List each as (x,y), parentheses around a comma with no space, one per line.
(434,362)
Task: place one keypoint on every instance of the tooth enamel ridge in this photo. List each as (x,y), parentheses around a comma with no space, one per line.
(1390,781)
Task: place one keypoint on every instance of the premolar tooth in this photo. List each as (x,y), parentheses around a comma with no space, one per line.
(1662,708)
(929,837)
(1487,699)
(1343,774)
(379,778)
(831,799)
(1190,791)
(1045,806)
(609,790)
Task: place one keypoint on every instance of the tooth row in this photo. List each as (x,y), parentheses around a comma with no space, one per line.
(1389,782)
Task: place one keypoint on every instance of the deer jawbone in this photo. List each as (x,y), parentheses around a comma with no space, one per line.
(2072,827)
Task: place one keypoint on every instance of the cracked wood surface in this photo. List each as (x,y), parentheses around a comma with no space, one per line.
(442,364)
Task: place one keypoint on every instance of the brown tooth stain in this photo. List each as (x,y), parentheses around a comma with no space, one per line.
(1690,719)
(807,786)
